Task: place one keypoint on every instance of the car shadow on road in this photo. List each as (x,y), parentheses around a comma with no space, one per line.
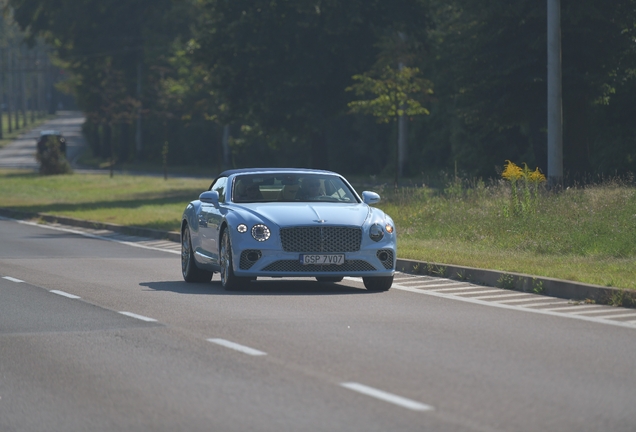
(294,287)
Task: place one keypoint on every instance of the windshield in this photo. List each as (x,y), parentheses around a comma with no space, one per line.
(291,187)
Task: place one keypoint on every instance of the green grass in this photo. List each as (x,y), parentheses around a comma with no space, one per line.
(141,201)
(585,234)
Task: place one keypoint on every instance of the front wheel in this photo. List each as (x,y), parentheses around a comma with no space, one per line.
(228,280)
(189,269)
(378,284)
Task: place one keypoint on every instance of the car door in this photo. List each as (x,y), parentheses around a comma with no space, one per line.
(210,220)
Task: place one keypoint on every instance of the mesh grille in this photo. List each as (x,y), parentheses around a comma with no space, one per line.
(245,264)
(296,266)
(388,264)
(321,239)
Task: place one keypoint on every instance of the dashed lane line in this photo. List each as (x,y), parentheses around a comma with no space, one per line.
(237,347)
(386,397)
(139,317)
(65,294)
(12,279)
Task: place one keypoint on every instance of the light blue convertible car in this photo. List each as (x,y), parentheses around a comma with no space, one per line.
(274,222)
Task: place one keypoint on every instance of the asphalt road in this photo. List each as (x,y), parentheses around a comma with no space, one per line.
(141,350)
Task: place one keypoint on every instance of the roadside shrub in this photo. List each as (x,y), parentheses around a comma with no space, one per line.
(52,160)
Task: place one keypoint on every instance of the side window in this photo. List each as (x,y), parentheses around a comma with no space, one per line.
(219,186)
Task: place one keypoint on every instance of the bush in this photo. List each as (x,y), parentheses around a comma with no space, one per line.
(51,158)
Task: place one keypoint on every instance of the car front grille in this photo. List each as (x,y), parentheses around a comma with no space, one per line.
(321,239)
(296,266)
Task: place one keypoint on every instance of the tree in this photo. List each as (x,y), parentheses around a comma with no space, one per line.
(492,71)
(393,94)
(283,66)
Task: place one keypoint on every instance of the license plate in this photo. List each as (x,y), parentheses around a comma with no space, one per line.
(322,259)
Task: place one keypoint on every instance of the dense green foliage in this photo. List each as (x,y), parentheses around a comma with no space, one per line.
(276,73)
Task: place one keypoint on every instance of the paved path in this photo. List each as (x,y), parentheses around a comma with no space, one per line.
(21,152)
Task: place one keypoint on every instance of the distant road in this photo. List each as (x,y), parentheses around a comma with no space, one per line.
(21,152)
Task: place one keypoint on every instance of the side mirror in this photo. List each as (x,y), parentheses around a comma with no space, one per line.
(370,197)
(210,197)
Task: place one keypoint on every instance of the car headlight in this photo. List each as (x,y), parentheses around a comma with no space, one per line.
(376,233)
(389,228)
(241,228)
(260,232)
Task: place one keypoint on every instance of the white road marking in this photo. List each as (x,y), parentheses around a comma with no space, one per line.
(543,303)
(531,299)
(386,397)
(238,347)
(499,296)
(625,324)
(9,278)
(465,287)
(482,291)
(622,316)
(139,317)
(574,307)
(431,283)
(456,286)
(85,234)
(603,311)
(64,294)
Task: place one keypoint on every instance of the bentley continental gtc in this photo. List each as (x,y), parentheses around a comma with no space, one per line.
(274,222)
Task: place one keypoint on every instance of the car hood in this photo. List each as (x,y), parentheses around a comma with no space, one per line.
(298,214)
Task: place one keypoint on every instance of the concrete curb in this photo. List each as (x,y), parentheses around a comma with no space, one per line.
(514,281)
(522,282)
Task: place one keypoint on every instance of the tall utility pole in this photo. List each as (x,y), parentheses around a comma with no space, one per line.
(138,137)
(402,151)
(555,100)
(402,139)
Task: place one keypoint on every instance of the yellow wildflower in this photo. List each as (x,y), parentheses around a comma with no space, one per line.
(536,176)
(512,172)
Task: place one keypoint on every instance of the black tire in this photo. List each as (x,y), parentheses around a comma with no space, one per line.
(378,284)
(228,280)
(332,279)
(189,269)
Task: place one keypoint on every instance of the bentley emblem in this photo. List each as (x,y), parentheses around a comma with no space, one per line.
(320,221)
